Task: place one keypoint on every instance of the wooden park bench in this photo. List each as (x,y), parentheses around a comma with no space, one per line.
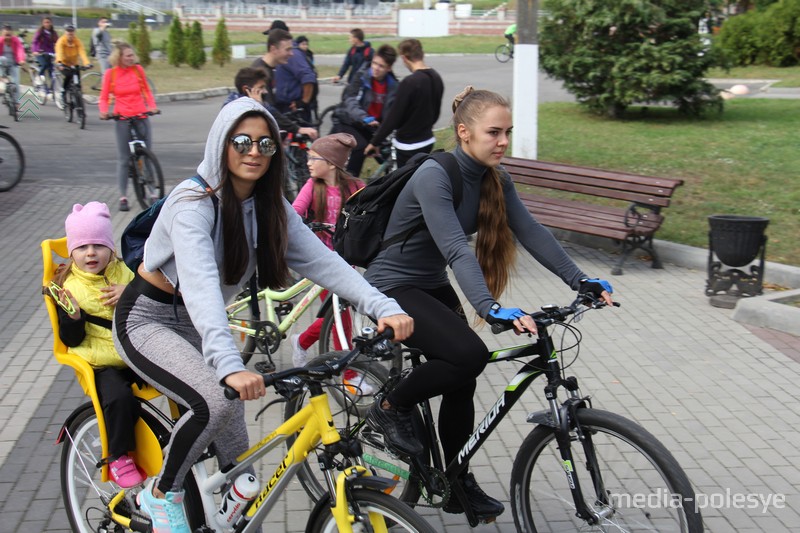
(633,225)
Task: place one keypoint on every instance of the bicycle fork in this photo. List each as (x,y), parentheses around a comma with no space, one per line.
(563,420)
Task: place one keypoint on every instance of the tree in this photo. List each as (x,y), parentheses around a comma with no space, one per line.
(133,34)
(195,54)
(221,51)
(143,42)
(611,55)
(176,51)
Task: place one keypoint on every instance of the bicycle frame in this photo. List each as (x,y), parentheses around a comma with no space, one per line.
(546,362)
(270,297)
(314,424)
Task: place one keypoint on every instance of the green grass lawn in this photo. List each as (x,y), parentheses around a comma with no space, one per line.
(788,76)
(744,161)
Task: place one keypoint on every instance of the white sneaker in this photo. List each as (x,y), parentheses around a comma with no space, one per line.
(356,383)
(299,355)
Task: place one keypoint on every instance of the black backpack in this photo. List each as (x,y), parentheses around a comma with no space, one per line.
(137,231)
(365,215)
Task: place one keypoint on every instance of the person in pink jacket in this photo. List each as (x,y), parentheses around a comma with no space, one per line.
(321,200)
(12,50)
(125,86)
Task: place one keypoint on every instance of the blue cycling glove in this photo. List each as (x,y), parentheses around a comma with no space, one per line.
(499,314)
(595,286)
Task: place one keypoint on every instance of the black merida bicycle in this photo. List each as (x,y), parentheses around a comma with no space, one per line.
(579,469)
(143,167)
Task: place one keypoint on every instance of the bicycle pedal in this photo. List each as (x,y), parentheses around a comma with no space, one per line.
(265,367)
(373,438)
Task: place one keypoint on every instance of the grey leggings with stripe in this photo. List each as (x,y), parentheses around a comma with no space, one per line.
(157,340)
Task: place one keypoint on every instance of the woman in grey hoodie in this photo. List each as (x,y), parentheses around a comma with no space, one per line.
(171,326)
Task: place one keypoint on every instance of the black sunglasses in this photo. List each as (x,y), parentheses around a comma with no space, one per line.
(243,143)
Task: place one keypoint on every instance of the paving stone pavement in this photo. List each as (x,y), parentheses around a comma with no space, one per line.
(720,395)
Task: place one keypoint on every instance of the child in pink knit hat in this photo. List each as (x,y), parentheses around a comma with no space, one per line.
(92,283)
(320,200)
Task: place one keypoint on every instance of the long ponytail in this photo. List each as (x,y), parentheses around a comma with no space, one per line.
(495,247)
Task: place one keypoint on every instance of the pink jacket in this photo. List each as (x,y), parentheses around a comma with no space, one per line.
(16,46)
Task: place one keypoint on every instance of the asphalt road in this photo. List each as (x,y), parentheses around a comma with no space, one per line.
(58,152)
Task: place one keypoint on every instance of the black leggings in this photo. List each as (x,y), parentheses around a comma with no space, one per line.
(455,356)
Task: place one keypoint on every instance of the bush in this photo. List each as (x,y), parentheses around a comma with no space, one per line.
(769,36)
(611,55)
(176,50)
(221,51)
(193,37)
(143,42)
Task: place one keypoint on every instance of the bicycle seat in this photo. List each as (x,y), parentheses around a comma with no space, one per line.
(148,451)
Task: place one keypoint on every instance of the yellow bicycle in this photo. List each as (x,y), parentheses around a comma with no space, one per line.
(355,500)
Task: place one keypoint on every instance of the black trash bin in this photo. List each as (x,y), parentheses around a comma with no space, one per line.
(736,241)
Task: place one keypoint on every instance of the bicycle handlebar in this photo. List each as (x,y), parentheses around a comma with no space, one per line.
(363,344)
(135,117)
(553,313)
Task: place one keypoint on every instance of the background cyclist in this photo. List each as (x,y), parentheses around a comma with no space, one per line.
(70,53)
(125,83)
(43,45)
(12,49)
(511,35)
(415,274)
(366,102)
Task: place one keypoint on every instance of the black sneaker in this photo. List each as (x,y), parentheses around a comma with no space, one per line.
(396,427)
(483,505)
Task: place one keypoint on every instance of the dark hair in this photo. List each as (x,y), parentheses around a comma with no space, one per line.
(276,37)
(52,27)
(247,77)
(387,53)
(301,39)
(272,238)
(412,49)
(358,33)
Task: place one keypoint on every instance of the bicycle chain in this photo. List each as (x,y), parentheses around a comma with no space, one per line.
(438,475)
(440,479)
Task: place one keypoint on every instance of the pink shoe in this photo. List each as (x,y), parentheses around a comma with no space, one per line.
(125,473)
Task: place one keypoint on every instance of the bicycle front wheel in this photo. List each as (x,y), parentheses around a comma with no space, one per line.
(325,123)
(12,162)
(68,106)
(503,53)
(380,509)
(643,487)
(148,181)
(353,322)
(92,83)
(80,109)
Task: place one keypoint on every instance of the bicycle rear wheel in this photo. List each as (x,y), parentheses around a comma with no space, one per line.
(92,83)
(84,493)
(644,487)
(372,505)
(148,180)
(503,53)
(12,162)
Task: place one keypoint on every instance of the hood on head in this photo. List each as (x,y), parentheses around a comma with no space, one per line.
(211,165)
